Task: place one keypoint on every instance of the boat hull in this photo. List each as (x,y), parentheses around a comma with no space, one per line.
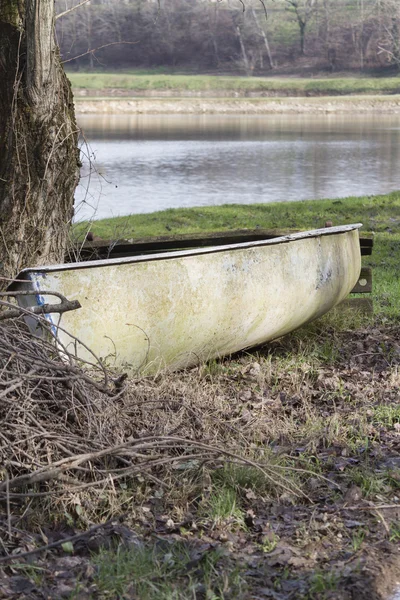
(173,310)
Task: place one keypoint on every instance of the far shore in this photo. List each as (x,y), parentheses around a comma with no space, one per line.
(389,104)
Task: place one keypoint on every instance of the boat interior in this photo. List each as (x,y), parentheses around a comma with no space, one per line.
(99,249)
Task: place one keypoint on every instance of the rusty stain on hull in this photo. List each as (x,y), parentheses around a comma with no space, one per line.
(176,309)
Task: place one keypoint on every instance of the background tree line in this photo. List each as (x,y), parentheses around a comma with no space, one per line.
(220,36)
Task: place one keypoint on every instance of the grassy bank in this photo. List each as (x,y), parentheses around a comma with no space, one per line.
(379,214)
(242,86)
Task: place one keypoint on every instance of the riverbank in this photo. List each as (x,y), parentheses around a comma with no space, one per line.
(152,93)
(274,473)
(313,514)
(257,106)
(177,85)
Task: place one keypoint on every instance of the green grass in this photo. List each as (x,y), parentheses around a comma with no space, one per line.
(224,504)
(394,535)
(379,214)
(357,539)
(139,81)
(239,478)
(370,482)
(165,571)
(322,583)
(387,416)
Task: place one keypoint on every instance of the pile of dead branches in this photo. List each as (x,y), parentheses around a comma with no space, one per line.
(51,408)
(65,427)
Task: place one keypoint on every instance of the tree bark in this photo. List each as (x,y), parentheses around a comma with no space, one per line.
(39,159)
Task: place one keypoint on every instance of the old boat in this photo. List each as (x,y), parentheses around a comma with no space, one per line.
(177,308)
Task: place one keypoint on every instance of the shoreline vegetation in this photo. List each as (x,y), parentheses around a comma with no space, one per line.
(138,82)
(174,94)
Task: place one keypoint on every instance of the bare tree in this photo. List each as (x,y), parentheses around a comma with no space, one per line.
(39,161)
(303,10)
(389,44)
(213,15)
(263,34)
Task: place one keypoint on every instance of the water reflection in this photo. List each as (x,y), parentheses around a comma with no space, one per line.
(146,163)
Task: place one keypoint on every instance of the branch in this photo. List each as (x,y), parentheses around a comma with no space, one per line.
(95,50)
(66,12)
(61,307)
(264,8)
(72,538)
(135,449)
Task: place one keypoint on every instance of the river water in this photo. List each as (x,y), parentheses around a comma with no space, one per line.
(145,163)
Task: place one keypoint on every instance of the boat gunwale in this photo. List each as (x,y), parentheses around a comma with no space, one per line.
(284,239)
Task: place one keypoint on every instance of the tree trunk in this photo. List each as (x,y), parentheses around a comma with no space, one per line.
(246,62)
(39,159)
(265,38)
(302,30)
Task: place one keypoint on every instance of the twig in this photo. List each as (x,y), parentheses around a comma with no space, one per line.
(72,358)
(95,50)
(383,521)
(14,312)
(66,12)
(264,8)
(72,538)
(56,469)
(11,388)
(8,507)
(381,507)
